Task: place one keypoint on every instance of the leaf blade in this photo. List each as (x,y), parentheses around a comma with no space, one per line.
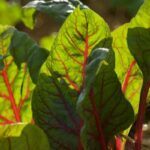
(102,109)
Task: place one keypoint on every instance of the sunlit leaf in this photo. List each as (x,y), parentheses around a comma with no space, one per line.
(23,137)
(80,33)
(62,78)
(15,85)
(47,41)
(9,13)
(126,67)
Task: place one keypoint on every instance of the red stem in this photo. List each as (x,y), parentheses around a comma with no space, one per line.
(7,121)
(141,113)
(85,57)
(124,88)
(118,143)
(127,76)
(98,122)
(11,96)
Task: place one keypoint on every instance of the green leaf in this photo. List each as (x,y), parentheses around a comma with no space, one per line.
(9,17)
(143,14)
(127,70)
(62,78)
(25,50)
(59,9)
(126,67)
(13,130)
(15,85)
(138,39)
(101,103)
(139,45)
(80,33)
(125,39)
(23,137)
(28,17)
(53,105)
(47,41)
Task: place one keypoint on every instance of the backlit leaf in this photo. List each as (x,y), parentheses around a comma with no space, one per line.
(62,78)
(80,33)
(23,137)
(9,17)
(126,67)
(15,85)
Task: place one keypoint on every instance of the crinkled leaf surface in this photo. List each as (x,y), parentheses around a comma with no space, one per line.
(60,81)
(23,137)
(59,9)
(15,85)
(101,104)
(25,50)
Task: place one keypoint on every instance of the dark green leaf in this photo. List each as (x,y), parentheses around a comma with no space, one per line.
(25,50)
(1,62)
(54,104)
(101,104)
(59,9)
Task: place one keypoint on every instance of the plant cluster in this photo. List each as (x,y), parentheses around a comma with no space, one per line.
(84,91)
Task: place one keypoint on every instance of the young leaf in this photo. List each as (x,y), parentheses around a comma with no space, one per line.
(101,104)
(61,80)
(23,137)
(25,50)
(59,9)
(15,85)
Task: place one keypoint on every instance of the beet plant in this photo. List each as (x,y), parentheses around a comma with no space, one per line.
(83,93)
